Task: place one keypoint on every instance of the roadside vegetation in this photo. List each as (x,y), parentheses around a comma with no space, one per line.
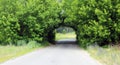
(9,52)
(108,56)
(12,51)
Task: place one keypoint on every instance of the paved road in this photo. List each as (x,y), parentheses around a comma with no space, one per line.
(60,54)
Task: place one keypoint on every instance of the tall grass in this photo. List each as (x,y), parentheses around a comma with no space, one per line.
(108,56)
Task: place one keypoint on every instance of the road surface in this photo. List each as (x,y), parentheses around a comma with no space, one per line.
(62,53)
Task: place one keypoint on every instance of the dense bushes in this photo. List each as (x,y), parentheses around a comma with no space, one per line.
(102,22)
(95,21)
(26,20)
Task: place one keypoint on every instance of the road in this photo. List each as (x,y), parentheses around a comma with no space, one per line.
(62,53)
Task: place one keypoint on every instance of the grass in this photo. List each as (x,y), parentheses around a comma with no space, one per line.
(11,51)
(8,52)
(107,56)
(65,35)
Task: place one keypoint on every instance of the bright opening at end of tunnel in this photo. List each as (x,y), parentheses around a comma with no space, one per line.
(65,34)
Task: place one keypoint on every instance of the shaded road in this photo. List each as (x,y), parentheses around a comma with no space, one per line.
(59,54)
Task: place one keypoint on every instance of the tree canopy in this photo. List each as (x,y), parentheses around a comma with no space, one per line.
(95,21)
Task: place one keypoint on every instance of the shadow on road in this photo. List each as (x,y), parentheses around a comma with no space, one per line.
(66,41)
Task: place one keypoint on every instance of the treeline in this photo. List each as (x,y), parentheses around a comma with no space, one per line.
(95,21)
(64,30)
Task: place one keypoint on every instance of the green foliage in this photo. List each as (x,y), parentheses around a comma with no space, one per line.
(94,21)
(33,44)
(64,30)
(21,43)
(70,35)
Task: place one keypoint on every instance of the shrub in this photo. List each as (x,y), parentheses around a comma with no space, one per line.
(21,43)
(33,44)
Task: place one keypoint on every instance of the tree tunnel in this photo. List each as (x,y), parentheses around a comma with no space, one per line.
(94,22)
(50,37)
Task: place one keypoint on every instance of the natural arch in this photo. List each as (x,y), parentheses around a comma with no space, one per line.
(50,37)
(64,32)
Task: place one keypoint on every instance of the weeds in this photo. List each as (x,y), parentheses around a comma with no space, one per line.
(108,56)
